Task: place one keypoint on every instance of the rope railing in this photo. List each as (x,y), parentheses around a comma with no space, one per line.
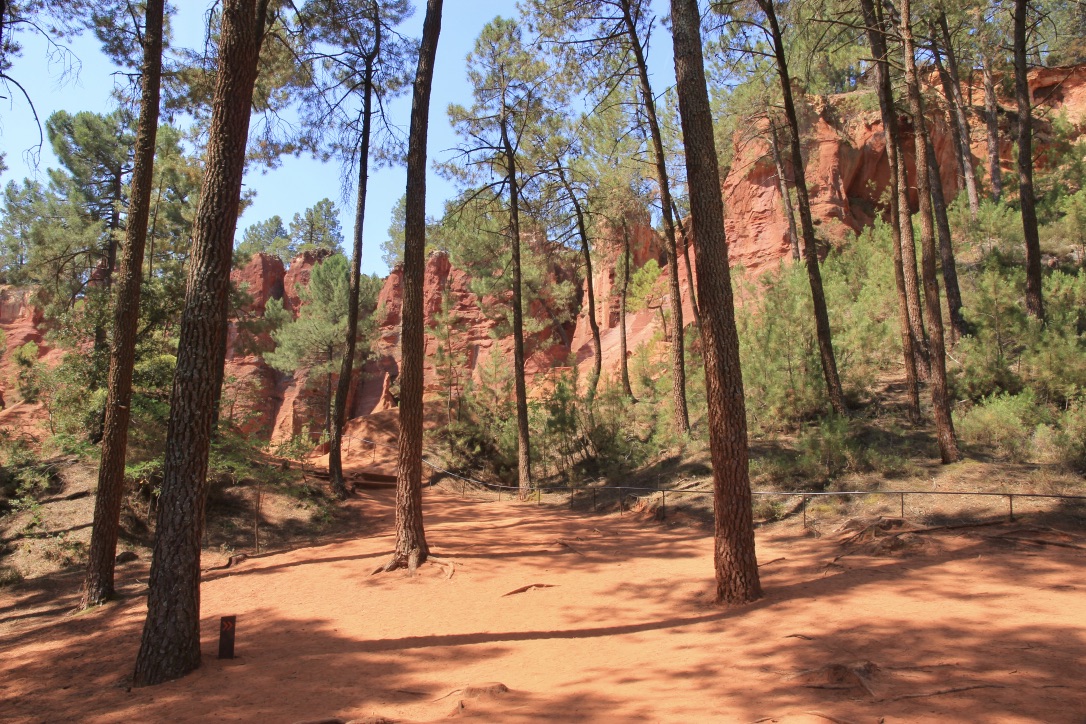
(630,491)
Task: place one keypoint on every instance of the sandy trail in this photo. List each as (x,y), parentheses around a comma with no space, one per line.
(974,629)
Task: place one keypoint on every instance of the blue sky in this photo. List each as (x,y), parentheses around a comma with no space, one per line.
(299,182)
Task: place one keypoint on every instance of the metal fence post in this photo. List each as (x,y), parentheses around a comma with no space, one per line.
(663,505)
(1010,504)
(903,505)
(538,494)
(804,511)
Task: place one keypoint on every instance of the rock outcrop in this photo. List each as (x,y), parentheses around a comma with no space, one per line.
(847,174)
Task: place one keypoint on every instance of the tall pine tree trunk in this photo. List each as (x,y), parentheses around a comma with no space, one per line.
(624,362)
(952,89)
(786,197)
(946,246)
(98,584)
(590,283)
(346,367)
(681,227)
(940,397)
(908,263)
(735,562)
(1034,302)
(524,450)
(170,646)
(678,357)
(876,34)
(810,250)
(991,117)
(411,546)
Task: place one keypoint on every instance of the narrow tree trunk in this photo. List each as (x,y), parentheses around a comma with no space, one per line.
(946,247)
(98,584)
(814,275)
(876,33)
(411,546)
(735,562)
(524,452)
(678,358)
(346,367)
(991,117)
(1034,302)
(681,227)
(940,398)
(959,122)
(624,362)
(170,646)
(908,262)
(786,197)
(586,252)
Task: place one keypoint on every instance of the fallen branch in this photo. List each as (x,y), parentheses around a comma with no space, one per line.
(775,560)
(941,692)
(529,587)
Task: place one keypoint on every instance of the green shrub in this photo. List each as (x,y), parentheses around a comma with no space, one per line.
(1004,424)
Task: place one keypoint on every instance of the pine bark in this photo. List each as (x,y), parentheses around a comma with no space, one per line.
(908,262)
(170,646)
(98,584)
(876,33)
(681,228)
(346,367)
(786,197)
(590,283)
(814,275)
(624,362)
(940,397)
(952,89)
(991,117)
(411,546)
(946,246)
(1034,301)
(678,355)
(735,561)
(524,451)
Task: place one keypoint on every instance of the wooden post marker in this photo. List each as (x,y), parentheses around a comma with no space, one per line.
(227,627)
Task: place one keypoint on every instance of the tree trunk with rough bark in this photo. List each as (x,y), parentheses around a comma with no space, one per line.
(170,646)
(346,367)
(991,117)
(1034,301)
(681,227)
(946,247)
(908,263)
(678,357)
(786,197)
(735,561)
(959,123)
(590,283)
(98,583)
(411,547)
(940,397)
(876,34)
(624,362)
(524,451)
(814,275)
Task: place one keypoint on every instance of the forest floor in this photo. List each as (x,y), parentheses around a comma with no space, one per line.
(583,617)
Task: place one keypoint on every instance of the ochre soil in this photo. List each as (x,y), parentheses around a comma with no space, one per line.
(963,624)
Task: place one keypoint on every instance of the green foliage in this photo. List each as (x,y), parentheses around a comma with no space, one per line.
(316,340)
(315,229)
(1003,423)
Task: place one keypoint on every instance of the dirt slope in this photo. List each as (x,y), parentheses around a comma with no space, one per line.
(966,627)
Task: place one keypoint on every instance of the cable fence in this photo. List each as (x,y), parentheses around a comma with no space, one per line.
(622,498)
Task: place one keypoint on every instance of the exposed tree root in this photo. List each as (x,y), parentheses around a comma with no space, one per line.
(529,587)
(940,692)
(411,563)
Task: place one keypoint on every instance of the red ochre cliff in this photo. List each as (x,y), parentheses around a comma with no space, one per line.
(847,174)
